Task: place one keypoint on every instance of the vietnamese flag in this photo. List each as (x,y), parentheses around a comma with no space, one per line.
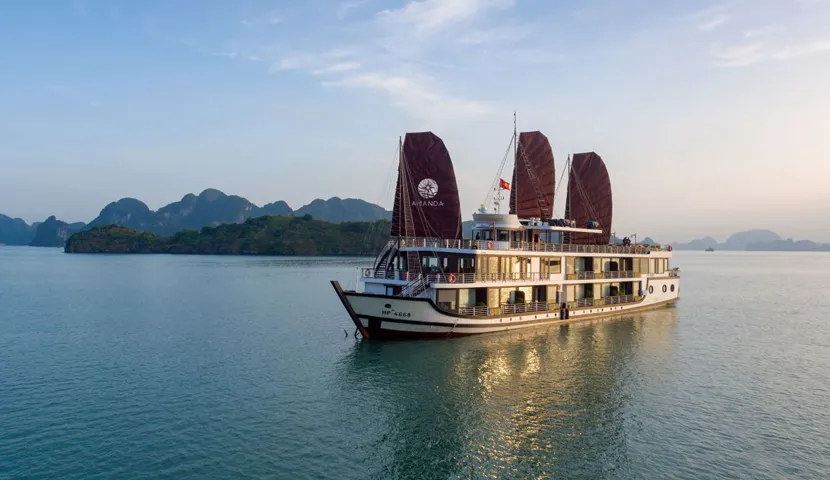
(504,185)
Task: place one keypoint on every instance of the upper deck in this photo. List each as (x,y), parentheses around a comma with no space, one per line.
(500,246)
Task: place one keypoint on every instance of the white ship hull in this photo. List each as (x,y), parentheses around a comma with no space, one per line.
(392,317)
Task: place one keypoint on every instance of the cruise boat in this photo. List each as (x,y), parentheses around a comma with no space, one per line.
(521,268)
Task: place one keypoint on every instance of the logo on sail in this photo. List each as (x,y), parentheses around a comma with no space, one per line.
(428,188)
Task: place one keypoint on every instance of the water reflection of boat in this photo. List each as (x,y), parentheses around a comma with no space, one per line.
(525,404)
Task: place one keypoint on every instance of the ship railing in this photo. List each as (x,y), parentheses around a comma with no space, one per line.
(602,301)
(601,275)
(512,308)
(423,242)
(450,278)
(477,311)
(508,309)
(531,307)
(369,272)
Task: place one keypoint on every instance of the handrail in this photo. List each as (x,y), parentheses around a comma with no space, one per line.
(514,308)
(590,275)
(424,242)
(450,278)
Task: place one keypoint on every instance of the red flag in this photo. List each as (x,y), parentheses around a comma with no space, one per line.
(504,185)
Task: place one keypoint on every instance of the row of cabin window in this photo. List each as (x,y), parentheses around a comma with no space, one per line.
(450,299)
(601,264)
(547,265)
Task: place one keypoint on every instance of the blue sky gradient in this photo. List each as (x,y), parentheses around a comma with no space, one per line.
(712,116)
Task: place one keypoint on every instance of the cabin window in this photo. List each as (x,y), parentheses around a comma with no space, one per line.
(513,296)
(466,297)
(493,297)
(570,262)
(493,264)
(467,265)
(447,299)
(553,293)
(505,264)
(504,236)
(554,264)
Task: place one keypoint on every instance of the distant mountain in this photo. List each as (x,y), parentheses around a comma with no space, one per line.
(54,233)
(698,244)
(209,208)
(126,212)
(338,210)
(789,245)
(741,240)
(14,231)
(213,207)
(756,240)
(279,208)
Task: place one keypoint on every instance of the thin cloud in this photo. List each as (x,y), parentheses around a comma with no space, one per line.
(712,23)
(711,18)
(756,53)
(338,67)
(430,15)
(346,7)
(267,19)
(312,61)
(234,54)
(417,96)
(496,34)
(761,32)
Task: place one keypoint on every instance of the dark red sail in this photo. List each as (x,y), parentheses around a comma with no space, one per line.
(589,198)
(426,195)
(534,177)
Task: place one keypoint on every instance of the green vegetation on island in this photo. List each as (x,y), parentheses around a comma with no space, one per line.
(267,235)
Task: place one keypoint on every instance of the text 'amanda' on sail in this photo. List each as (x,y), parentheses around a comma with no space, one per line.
(426,195)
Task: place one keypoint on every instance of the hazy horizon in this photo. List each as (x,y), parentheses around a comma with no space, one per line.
(709,116)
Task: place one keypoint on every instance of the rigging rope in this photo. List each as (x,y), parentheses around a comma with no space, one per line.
(489,197)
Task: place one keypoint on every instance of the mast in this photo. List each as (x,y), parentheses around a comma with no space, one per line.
(400,174)
(570,167)
(515,165)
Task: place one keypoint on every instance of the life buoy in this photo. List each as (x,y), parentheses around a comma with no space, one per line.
(366,272)
(489,244)
(451,278)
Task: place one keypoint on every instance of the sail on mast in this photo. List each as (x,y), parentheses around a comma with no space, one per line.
(535,171)
(426,197)
(589,198)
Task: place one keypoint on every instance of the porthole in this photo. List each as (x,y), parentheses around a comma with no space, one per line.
(664,289)
(651,289)
(672,287)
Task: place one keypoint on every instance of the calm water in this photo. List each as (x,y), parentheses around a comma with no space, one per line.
(208,367)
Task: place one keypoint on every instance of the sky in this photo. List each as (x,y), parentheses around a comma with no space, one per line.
(712,117)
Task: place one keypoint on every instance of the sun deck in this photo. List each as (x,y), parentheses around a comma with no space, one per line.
(422,243)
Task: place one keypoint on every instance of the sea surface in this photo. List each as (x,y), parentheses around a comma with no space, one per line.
(178,367)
